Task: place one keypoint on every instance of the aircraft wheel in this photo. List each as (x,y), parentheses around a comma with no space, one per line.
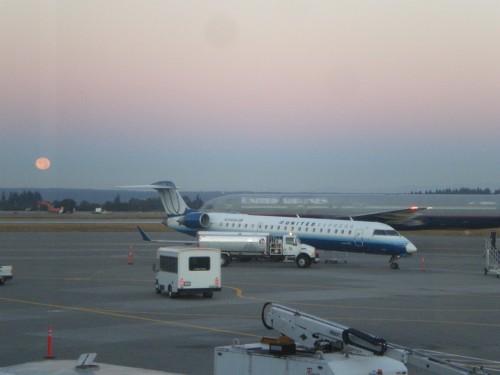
(394,266)
(303,261)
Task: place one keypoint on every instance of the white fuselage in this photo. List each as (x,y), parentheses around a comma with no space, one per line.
(324,234)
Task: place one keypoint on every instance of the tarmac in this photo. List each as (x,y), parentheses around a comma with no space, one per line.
(96,298)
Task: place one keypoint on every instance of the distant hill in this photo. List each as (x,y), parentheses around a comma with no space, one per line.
(103,196)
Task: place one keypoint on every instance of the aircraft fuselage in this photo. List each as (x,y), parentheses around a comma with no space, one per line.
(323,234)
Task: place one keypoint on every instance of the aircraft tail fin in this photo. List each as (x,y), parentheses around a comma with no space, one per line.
(171,199)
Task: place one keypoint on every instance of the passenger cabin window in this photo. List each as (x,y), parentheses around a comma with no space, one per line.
(168,264)
(199,263)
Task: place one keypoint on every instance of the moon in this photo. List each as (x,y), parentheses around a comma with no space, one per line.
(42,164)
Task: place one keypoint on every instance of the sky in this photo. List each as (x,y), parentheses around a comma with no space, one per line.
(262,95)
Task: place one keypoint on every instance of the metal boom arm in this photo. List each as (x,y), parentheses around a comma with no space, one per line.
(315,333)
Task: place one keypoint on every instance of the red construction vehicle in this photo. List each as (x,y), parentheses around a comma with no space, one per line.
(50,207)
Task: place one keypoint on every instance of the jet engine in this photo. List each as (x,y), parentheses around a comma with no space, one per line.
(195,220)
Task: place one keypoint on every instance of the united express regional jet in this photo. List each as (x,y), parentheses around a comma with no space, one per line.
(324,234)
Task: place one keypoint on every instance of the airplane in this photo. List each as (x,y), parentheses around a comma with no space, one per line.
(400,211)
(323,234)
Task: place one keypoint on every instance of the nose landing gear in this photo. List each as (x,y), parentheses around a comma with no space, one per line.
(394,262)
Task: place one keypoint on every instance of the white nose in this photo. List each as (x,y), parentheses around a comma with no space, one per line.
(410,248)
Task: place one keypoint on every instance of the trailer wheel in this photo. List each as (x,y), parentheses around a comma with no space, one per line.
(208,294)
(171,294)
(1,281)
(225,259)
(303,261)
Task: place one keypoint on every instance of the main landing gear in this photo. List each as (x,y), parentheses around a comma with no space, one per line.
(394,262)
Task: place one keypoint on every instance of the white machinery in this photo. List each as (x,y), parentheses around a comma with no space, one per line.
(5,274)
(492,256)
(314,346)
(248,245)
(244,246)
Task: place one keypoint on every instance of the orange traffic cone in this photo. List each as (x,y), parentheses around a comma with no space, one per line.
(50,354)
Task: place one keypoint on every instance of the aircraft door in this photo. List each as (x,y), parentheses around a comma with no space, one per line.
(358,238)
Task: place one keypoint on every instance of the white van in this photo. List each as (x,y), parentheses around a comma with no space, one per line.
(188,271)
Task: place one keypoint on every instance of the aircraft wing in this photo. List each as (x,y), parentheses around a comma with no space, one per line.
(393,217)
(145,237)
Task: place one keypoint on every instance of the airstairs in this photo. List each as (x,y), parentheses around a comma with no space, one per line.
(492,256)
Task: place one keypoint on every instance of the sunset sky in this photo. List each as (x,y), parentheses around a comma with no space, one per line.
(340,96)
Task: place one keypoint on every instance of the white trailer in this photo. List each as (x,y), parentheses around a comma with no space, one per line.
(185,270)
(6,273)
(247,245)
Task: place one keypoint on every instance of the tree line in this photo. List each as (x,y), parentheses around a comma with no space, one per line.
(461,190)
(30,201)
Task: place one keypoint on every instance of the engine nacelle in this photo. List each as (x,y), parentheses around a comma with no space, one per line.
(195,220)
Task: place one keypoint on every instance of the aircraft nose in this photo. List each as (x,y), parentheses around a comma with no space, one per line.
(410,248)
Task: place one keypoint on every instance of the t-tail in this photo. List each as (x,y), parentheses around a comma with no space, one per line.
(171,199)
(179,216)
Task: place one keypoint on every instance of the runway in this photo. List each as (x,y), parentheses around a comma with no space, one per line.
(82,285)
